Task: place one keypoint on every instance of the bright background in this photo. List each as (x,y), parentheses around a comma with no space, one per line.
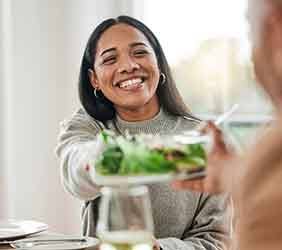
(40,51)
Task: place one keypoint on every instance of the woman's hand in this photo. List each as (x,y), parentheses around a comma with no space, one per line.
(156,245)
(219,166)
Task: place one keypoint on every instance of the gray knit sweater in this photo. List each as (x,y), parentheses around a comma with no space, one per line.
(183,220)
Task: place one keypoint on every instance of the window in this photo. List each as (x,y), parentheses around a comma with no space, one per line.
(206,43)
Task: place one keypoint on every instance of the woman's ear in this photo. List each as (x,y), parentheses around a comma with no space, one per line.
(93,79)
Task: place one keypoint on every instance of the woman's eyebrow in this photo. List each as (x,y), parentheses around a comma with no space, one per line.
(138,44)
(131,45)
(107,50)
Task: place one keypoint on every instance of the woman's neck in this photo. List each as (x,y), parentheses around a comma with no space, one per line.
(146,112)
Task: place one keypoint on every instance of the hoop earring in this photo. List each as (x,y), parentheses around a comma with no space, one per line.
(95,93)
(162,78)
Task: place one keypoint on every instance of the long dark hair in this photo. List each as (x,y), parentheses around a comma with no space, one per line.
(100,107)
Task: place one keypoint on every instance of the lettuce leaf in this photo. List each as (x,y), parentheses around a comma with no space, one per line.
(131,156)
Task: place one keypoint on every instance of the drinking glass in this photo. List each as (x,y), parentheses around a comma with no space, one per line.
(125,219)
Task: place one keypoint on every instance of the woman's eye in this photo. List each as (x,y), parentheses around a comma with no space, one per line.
(140,52)
(109,60)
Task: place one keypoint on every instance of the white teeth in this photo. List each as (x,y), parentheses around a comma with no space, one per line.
(130,82)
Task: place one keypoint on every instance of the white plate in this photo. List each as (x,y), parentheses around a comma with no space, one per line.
(55,243)
(105,180)
(12,229)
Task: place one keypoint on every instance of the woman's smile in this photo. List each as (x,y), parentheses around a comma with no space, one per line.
(132,83)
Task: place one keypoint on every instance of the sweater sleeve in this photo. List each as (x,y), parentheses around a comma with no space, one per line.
(77,144)
(209,229)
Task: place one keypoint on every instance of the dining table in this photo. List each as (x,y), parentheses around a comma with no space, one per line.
(45,235)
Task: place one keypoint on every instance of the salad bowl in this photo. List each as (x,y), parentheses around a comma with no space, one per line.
(145,159)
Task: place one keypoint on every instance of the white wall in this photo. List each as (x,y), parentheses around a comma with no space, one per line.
(43,49)
(3,186)
(5,45)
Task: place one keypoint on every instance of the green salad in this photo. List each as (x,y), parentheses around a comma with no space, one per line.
(132,155)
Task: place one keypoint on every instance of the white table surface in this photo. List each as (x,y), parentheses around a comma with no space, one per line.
(40,235)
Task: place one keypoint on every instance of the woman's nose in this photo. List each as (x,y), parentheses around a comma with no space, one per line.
(128,65)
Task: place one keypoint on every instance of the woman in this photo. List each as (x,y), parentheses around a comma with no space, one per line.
(125,85)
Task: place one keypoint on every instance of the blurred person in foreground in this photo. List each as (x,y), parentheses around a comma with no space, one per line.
(256,186)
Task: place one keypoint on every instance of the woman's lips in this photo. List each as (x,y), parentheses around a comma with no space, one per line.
(131,84)
(132,87)
(130,80)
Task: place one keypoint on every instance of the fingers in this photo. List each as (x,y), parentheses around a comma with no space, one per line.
(156,245)
(210,127)
(217,136)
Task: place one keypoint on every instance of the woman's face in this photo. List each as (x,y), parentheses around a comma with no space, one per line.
(125,68)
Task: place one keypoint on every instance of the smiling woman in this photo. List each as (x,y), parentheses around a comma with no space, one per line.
(126,86)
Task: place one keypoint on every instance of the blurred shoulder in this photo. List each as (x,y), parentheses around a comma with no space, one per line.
(80,119)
